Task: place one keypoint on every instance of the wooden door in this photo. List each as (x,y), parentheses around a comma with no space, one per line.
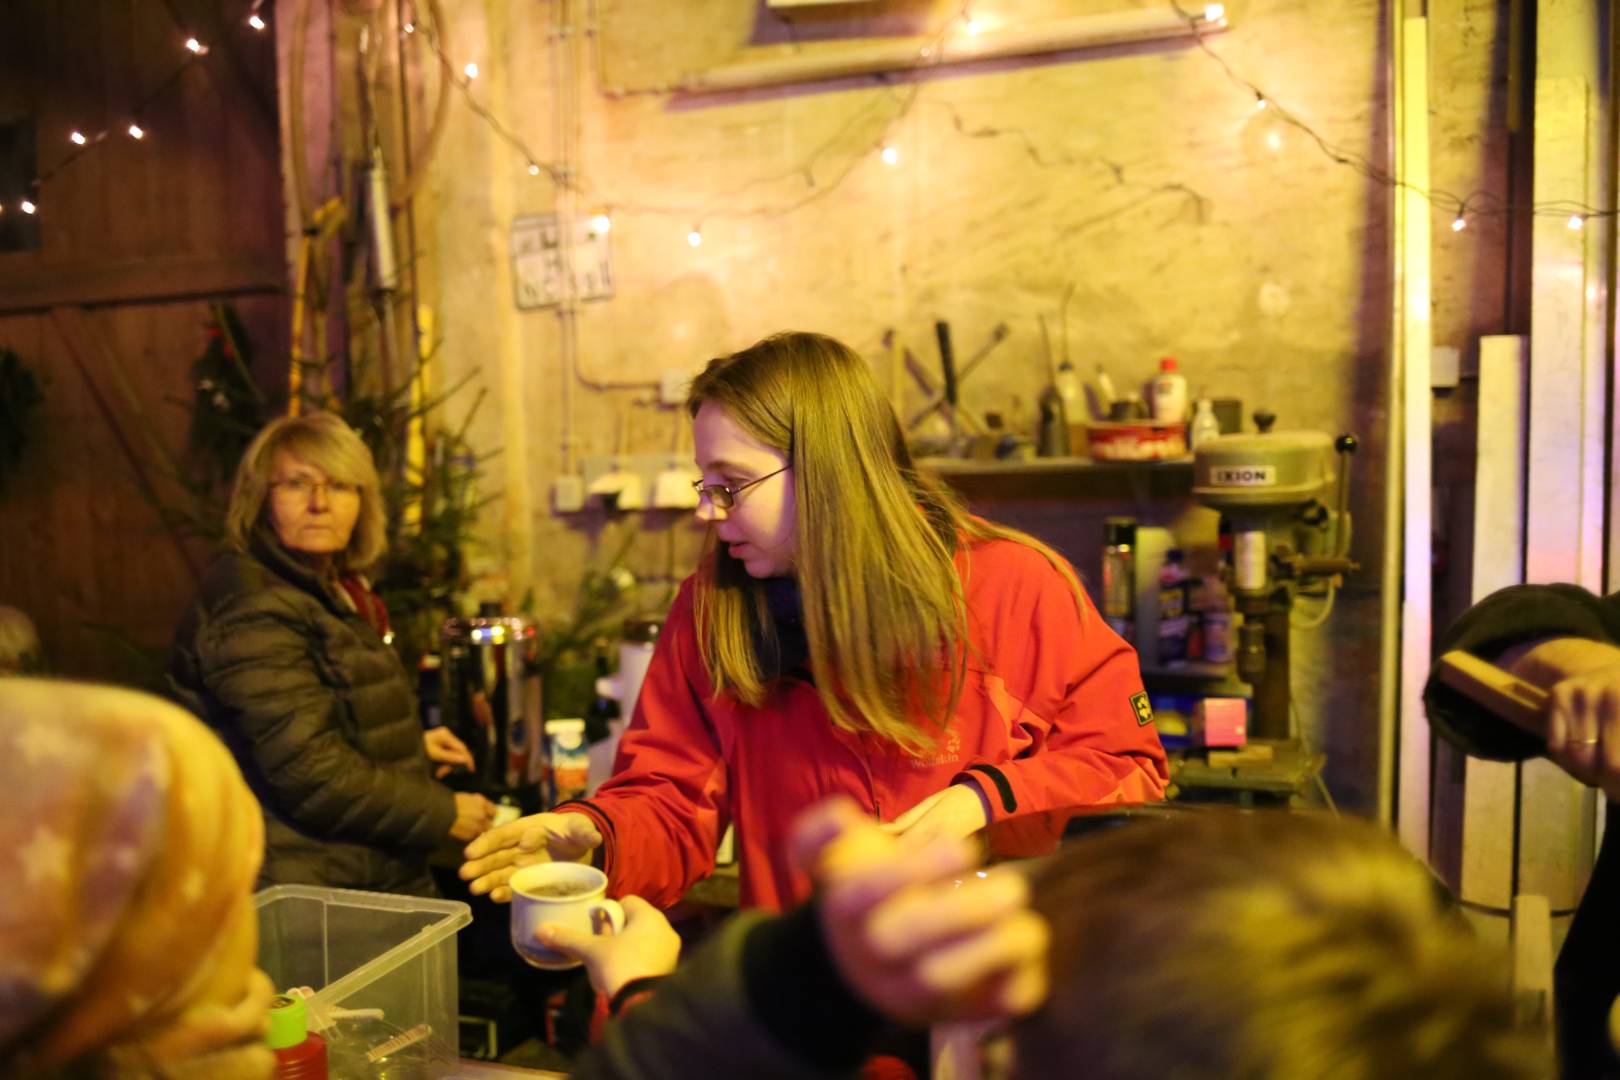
(134,238)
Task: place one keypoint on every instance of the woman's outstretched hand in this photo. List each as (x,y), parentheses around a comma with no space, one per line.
(495,856)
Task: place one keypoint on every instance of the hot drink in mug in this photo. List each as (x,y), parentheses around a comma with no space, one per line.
(563,894)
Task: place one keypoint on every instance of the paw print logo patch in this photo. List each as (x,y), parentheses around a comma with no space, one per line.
(1142,708)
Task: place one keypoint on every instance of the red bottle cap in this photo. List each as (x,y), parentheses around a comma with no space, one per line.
(306,1061)
(1167,364)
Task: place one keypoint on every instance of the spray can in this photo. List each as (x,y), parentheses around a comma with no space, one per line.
(1119,575)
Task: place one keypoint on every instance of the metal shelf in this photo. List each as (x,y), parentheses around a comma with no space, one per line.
(951,468)
(996,480)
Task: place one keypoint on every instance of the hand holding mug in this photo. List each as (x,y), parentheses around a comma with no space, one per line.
(647,946)
(560,895)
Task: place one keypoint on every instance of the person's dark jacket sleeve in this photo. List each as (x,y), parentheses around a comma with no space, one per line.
(760,999)
(1586,978)
(257,664)
(1513,616)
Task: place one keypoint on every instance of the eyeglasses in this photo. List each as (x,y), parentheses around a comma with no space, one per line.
(723,497)
(303,488)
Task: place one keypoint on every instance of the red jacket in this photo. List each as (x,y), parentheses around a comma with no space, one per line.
(1051,715)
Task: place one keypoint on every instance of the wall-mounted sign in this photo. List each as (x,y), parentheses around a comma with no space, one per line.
(537,261)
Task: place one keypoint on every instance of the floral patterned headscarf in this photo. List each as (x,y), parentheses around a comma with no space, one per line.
(129,844)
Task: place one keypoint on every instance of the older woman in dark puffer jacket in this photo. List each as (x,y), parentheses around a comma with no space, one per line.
(285,652)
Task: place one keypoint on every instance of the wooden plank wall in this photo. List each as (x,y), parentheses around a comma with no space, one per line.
(112,311)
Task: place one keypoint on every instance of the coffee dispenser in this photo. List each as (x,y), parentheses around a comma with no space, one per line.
(491,695)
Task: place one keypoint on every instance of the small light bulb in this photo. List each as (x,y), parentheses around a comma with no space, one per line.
(471,71)
(1576,221)
(410,28)
(601,223)
(136,131)
(971,25)
(1460,224)
(78,138)
(256,22)
(1214,13)
(28,207)
(890,155)
(694,238)
(534,170)
(1259,101)
(195,46)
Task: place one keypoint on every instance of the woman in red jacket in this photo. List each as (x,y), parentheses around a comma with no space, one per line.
(850,630)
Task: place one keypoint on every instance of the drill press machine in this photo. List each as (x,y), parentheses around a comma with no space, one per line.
(1285,543)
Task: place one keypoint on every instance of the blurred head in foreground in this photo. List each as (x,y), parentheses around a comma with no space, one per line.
(1264,946)
(128,935)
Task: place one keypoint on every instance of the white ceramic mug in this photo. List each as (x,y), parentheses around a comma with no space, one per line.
(535,903)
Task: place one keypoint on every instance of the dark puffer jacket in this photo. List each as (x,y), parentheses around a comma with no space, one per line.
(321,717)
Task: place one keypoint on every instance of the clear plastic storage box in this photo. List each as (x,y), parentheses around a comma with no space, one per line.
(383,969)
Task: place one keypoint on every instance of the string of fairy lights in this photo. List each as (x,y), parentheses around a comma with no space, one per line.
(462,76)
(1476,204)
(131,125)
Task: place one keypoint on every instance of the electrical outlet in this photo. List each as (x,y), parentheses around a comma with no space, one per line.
(568,494)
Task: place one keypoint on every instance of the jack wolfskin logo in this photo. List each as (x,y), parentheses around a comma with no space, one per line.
(1142,708)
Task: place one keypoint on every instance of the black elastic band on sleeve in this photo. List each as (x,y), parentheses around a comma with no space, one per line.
(593,808)
(599,852)
(1004,789)
(631,989)
(795,992)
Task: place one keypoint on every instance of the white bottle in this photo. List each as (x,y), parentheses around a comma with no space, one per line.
(1066,381)
(1204,426)
(1169,393)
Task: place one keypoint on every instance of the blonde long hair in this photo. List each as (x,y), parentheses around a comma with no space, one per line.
(326,441)
(875,543)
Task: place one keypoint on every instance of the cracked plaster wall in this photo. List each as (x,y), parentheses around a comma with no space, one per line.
(1138,182)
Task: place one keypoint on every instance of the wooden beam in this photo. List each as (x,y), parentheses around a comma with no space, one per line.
(42,286)
(1414,343)
(1491,788)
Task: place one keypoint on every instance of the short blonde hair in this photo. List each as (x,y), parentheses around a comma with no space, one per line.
(324,440)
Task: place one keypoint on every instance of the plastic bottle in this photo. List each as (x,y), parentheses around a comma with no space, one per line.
(1173,618)
(1066,381)
(567,760)
(1169,393)
(1119,574)
(1204,424)
(1054,433)
(300,1053)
